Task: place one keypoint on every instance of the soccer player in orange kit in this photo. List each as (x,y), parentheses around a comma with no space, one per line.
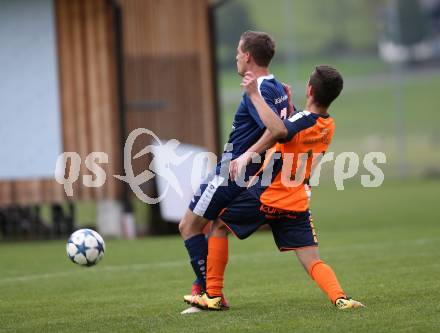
(279,201)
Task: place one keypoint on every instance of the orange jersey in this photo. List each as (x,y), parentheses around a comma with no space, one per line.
(287,171)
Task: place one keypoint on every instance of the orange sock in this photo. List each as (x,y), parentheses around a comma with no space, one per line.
(217,260)
(326,280)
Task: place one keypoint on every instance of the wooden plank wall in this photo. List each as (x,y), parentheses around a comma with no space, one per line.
(168,85)
(168,70)
(88,88)
(90,120)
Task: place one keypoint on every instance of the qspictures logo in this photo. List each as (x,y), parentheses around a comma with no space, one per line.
(165,159)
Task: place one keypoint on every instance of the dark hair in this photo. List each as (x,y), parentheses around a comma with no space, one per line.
(260,46)
(327,84)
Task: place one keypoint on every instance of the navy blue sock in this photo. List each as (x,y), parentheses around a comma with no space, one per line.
(197,247)
(197,281)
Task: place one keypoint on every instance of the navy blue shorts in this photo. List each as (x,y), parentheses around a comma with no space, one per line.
(291,230)
(217,191)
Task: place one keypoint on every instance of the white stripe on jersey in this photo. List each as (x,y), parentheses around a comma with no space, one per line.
(208,194)
(298,115)
(262,78)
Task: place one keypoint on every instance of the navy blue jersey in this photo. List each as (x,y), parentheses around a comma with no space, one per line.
(247,127)
(218,190)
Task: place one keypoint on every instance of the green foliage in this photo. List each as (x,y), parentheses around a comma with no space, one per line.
(309,27)
(411,22)
(232,20)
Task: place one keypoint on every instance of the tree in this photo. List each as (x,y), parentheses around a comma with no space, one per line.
(232,20)
(411,22)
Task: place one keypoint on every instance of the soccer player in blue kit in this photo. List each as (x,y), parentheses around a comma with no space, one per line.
(254,53)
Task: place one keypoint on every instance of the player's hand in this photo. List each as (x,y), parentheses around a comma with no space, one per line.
(238,166)
(289,92)
(249,83)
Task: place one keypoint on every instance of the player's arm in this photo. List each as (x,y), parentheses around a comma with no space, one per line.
(288,90)
(272,121)
(265,142)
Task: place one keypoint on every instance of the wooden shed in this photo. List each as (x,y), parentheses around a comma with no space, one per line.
(122,65)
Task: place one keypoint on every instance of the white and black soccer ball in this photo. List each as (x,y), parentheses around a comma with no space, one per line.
(85,247)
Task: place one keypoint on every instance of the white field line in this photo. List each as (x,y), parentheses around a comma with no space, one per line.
(117,268)
(248,257)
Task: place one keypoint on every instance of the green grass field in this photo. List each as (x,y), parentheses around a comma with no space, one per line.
(383,244)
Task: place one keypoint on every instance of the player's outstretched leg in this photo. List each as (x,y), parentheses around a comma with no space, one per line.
(325,278)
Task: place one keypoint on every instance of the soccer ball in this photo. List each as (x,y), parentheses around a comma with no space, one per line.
(85,247)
